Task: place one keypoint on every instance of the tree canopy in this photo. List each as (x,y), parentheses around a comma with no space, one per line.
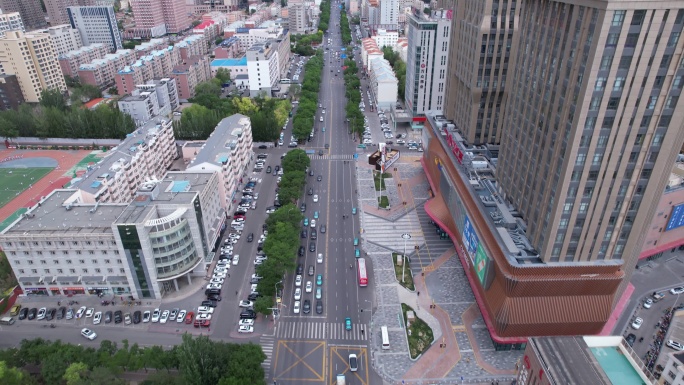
(399,68)
(303,120)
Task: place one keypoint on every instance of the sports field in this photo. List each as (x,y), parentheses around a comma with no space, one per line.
(13,181)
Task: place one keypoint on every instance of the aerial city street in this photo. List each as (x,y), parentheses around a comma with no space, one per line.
(341,192)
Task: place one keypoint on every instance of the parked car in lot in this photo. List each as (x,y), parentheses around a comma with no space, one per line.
(675,345)
(89,334)
(636,324)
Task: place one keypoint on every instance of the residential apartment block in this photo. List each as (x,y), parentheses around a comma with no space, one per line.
(10,22)
(476,89)
(384,38)
(298,14)
(101,72)
(250,36)
(10,93)
(57,9)
(71,61)
(388,13)
(426,69)
(556,216)
(228,49)
(369,51)
(193,45)
(157,98)
(31,57)
(154,18)
(157,64)
(194,70)
(384,85)
(64,38)
(31,12)
(154,243)
(227,151)
(149,46)
(144,155)
(96,25)
(263,68)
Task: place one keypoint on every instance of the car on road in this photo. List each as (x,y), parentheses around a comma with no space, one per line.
(247,313)
(164,317)
(313,223)
(214,286)
(236,259)
(648,303)
(147,315)
(302,208)
(677,290)
(181,316)
(319,258)
(205,310)
(319,293)
(209,303)
(306,309)
(189,317)
(312,247)
(301,251)
(89,334)
(268,170)
(310,192)
(323,228)
(636,324)
(250,237)
(315,198)
(246,322)
(347,323)
(304,234)
(319,280)
(214,297)
(353,210)
(306,221)
(245,304)
(156,315)
(311,270)
(675,345)
(353,363)
(298,294)
(246,329)
(309,287)
(319,307)
(315,215)
(296,307)
(319,178)
(356,241)
(97,318)
(298,280)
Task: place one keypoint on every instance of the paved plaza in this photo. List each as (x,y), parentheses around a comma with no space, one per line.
(469,355)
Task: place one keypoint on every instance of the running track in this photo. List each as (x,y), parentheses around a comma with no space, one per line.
(53,180)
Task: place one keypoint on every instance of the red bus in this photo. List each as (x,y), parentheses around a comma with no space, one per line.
(362,272)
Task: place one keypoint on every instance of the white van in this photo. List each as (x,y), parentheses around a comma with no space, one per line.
(7,321)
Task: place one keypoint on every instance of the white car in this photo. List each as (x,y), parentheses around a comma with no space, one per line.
(298,294)
(367,141)
(313,223)
(155,315)
(296,306)
(164,317)
(246,304)
(216,280)
(315,198)
(220,275)
(219,270)
(246,329)
(89,313)
(146,316)
(89,334)
(79,313)
(309,286)
(236,259)
(648,303)
(205,309)
(638,321)
(97,318)
(41,313)
(298,280)
(181,316)
(214,286)
(675,345)
(203,317)
(319,259)
(246,322)
(677,290)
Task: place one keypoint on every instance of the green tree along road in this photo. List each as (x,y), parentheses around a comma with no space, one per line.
(324,18)
(197,361)
(52,118)
(198,121)
(303,120)
(344,28)
(399,68)
(283,231)
(353,84)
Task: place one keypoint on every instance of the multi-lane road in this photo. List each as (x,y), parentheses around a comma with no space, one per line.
(310,347)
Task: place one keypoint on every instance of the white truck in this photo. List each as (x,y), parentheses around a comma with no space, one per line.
(341,380)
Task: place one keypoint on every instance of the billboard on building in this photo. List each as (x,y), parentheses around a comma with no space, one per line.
(470,239)
(676,218)
(481,265)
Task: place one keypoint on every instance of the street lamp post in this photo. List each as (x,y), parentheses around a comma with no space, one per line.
(405,237)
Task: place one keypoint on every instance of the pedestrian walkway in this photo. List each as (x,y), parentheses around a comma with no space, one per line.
(267,343)
(332,157)
(437,246)
(320,331)
(388,234)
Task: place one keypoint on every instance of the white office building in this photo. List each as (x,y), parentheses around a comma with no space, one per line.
(157,242)
(96,25)
(383,83)
(263,68)
(156,98)
(428,55)
(384,38)
(388,13)
(64,38)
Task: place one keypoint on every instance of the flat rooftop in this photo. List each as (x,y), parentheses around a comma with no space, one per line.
(222,142)
(229,62)
(568,360)
(478,171)
(121,155)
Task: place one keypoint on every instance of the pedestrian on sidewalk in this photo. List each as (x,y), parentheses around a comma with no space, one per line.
(418,293)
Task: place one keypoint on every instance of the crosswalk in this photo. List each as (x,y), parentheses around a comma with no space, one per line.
(320,331)
(267,343)
(388,234)
(332,157)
